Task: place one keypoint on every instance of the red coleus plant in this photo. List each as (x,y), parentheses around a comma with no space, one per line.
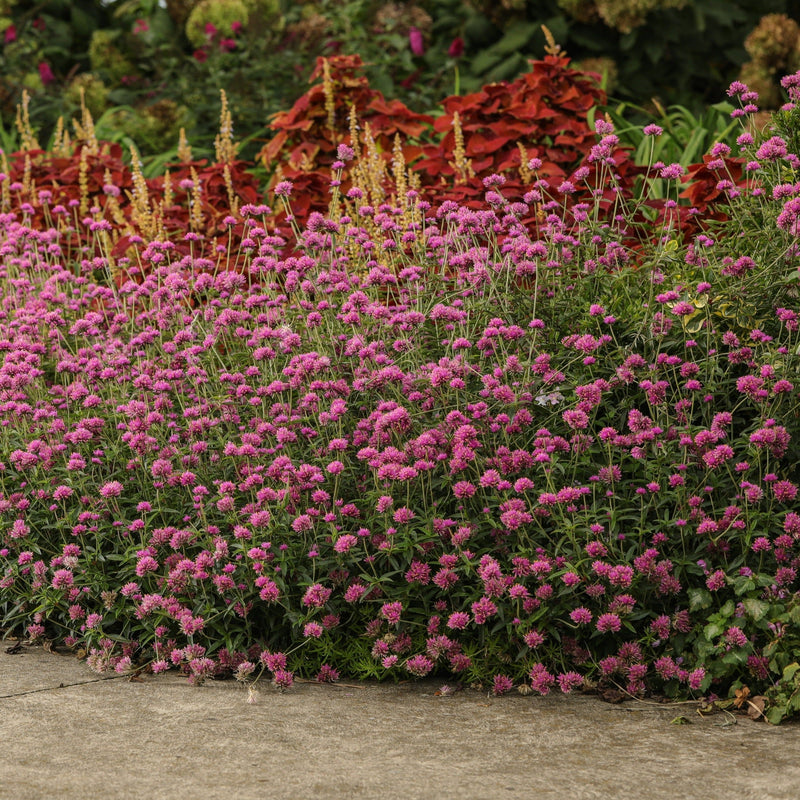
(307,136)
(544,110)
(542,114)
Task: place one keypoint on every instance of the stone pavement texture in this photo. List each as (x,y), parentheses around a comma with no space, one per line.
(66,734)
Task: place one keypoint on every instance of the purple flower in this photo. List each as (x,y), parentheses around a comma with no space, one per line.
(62,579)
(696,677)
(416,42)
(46,73)
(403,515)
(533,639)
(62,493)
(735,637)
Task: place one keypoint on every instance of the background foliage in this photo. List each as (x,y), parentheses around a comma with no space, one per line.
(148,68)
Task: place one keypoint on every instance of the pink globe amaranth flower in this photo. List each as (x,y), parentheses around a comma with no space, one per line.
(785,491)
(791,524)
(403,515)
(462,489)
(458,620)
(608,622)
(316,595)
(391,612)
(533,639)
(93,620)
(200,55)
(660,626)
(345,543)
(541,680)
(785,576)
(62,579)
(354,592)
(735,637)
(313,630)
(482,610)
(501,684)
(581,616)
(568,681)
(10,34)
(716,580)
(146,564)
(327,674)
(419,665)
(283,679)
(695,678)
(111,489)
(283,189)
(302,523)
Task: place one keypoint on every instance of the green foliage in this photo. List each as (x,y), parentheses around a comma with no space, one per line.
(136,53)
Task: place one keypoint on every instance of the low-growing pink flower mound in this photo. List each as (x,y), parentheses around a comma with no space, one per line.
(431,441)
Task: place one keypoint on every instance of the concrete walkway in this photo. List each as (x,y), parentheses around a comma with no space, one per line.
(65,734)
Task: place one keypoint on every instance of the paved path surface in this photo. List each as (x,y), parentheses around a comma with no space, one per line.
(65,734)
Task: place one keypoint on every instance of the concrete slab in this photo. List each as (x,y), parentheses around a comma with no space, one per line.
(66,734)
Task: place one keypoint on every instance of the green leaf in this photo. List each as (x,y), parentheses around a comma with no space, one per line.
(516,39)
(484,61)
(506,69)
(654,49)
(789,672)
(776,714)
(82,23)
(755,608)
(727,610)
(699,599)
(743,584)
(712,630)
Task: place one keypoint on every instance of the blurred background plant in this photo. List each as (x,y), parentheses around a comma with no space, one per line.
(147,68)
